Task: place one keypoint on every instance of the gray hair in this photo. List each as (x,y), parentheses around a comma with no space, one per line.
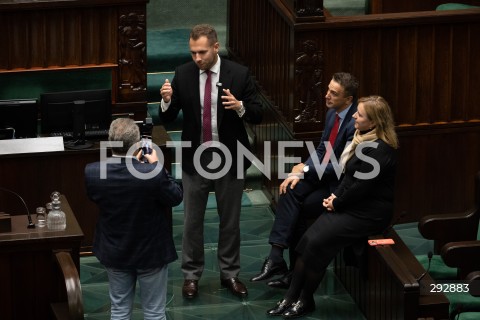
(125,130)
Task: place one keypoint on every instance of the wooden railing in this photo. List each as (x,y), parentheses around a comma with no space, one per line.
(388,287)
(72,308)
(423,63)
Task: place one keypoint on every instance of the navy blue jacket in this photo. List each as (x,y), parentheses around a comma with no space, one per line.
(345,134)
(133,230)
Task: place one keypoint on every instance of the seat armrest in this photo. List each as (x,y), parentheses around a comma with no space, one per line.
(464,255)
(473,278)
(72,284)
(445,228)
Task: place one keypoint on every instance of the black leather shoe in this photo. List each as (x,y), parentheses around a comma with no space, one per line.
(282,282)
(269,269)
(190,288)
(280,308)
(235,286)
(299,309)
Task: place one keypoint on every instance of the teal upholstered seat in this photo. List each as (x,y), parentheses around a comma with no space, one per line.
(455,6)
(438,270)
(28,85)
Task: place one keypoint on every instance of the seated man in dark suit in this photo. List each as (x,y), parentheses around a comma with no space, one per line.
(302,193)
(133,235)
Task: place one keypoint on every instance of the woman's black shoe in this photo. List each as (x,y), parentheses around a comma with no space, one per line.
(299,309)
(280,308)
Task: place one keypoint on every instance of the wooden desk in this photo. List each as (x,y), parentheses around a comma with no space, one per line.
(29,277)
(35,175)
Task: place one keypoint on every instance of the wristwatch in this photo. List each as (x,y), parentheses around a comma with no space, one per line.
(306,168)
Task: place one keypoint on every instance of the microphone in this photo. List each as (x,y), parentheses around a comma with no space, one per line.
(30,225)
(430,255)
(219,84)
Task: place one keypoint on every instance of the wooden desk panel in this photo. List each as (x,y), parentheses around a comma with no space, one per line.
(28,274)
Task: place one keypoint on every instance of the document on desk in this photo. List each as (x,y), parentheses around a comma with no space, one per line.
(31,145)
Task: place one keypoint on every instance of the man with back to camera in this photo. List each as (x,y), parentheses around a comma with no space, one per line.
(301,199)
(228,92)
(133,237)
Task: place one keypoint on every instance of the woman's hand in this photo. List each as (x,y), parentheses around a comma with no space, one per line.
(328,203)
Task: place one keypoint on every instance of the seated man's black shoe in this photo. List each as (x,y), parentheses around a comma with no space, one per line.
(280,308)
(299,309)
(269,269)
(283,282)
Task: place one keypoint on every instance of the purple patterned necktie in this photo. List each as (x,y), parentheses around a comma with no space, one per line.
(207,109)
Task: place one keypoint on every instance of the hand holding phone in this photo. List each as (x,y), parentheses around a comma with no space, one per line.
(146,145)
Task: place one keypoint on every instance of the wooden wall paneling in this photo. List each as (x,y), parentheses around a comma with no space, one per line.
(5,34)
(36,25)
(460,72)
(282,66)
(110,41)
(389,48)
(261,50)
(334,53)
(22,184)
(425,72)
(407,75)
(368,45)
(442,79)
(435,171)
(91,32)
(7,284)
(73,49)
(55,38)
(288,58)
(19,49)
(473,84)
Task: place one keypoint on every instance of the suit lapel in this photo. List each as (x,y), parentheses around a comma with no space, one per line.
(197,107)
(226,80)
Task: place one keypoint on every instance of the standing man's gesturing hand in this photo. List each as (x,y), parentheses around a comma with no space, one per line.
(166,91)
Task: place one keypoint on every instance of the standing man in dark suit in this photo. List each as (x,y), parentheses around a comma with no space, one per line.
(217,96)
(133,237)
(309,183)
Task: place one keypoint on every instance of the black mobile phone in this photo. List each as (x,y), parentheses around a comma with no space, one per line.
(146,145)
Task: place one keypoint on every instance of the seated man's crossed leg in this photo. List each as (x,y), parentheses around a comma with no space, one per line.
(296,208)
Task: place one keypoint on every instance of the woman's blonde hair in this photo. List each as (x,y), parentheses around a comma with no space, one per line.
(378,111)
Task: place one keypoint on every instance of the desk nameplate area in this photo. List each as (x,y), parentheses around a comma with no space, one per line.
(31,145)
